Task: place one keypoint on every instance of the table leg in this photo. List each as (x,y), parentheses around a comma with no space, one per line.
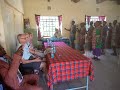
(51,87)
(87,82)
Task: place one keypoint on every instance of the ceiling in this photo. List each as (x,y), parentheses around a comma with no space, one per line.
(100,1)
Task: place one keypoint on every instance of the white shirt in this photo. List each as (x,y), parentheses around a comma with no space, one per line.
(26,53)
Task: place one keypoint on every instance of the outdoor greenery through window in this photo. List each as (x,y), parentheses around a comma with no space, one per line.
(48,25)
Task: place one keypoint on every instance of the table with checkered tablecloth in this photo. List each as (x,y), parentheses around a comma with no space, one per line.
(67,64)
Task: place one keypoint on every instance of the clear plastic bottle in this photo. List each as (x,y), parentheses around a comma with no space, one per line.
(48,42)
(54,48)
(52,53)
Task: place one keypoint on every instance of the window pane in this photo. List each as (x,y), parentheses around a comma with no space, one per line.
(48,25)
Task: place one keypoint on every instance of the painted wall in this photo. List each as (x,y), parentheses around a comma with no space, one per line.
(2,37)
(11,22)
(69,10)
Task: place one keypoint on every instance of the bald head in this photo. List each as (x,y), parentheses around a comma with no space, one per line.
(21,38)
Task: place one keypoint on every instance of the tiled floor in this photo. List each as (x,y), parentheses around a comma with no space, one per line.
(107,75)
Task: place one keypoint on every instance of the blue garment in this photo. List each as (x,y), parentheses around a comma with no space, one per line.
(1,87)
(26,53)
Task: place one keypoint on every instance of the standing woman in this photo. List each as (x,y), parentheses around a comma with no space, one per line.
(82,33)
(89,36)
(96,40)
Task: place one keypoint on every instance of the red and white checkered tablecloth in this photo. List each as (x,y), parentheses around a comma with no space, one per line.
(68,64)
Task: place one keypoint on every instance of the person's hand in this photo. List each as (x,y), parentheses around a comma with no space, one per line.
(38,60)
(17,57)
(65,28)
(32,51)
(48,50)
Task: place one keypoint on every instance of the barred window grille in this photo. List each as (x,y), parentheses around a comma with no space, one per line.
(48,25)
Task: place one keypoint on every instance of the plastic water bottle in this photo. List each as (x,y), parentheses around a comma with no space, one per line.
(52,53)
(48,42)
(51,44)
(54,49)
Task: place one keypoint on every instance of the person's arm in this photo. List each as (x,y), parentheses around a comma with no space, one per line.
(33,51)
(67,29)
(10,73)
(8,57)
(30,61)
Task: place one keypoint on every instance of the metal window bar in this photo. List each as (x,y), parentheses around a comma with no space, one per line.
(48,24)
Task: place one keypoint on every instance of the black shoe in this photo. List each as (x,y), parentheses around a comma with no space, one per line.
(94,58)
(98,59)
(103,53)
(36,71)
(114,54)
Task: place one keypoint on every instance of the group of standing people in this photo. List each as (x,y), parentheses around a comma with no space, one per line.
(100,35)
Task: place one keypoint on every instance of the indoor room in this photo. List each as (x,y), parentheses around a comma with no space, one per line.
(59,44)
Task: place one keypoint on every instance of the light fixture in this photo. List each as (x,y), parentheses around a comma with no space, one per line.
(75,1)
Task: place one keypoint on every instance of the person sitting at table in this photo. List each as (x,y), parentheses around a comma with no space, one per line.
(40,53)
(27,58)
(36,53)
(57,33)
(11,77)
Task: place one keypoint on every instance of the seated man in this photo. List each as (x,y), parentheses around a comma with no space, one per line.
(28,61)
(12,77)
(29,58)
(29,39)
(35,53)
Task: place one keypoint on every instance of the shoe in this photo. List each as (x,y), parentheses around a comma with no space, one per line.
(94,57)
(114,54)
(36,71)
(98,59)
(103,53)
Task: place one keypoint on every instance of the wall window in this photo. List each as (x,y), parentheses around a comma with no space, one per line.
(94,19)
(48,25)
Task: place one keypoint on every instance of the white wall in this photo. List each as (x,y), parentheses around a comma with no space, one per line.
(69,10)
(11,23)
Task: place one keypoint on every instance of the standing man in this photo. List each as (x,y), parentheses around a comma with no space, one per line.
(104,35)
(114,37)
(72,33)
(109,36)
